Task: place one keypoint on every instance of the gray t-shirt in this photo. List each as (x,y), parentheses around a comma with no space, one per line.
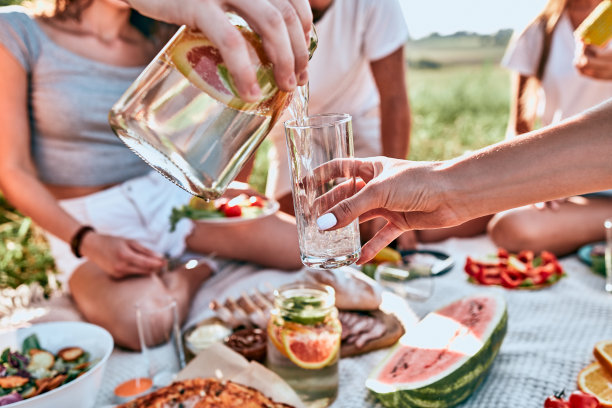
(69,97)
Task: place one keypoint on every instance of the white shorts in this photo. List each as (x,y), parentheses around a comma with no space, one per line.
(137,209)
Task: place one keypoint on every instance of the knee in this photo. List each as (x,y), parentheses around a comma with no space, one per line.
(513,231)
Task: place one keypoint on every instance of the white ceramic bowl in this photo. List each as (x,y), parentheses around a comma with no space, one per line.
(53,336)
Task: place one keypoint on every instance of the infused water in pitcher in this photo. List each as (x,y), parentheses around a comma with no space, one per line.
(183,115)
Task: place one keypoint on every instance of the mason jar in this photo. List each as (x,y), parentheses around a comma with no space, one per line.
(304,341)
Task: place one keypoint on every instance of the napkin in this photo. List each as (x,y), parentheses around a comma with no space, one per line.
(219,361)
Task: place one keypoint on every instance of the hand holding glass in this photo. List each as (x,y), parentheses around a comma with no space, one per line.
(311,142)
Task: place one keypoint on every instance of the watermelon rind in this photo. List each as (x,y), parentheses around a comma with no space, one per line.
(454,385)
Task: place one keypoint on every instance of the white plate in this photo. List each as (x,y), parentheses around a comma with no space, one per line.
(80,392)
(270,208)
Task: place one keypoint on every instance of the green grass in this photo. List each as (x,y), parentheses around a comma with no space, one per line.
(457,109)
(462,105)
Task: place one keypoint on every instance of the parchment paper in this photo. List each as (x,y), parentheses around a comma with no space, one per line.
(219,361)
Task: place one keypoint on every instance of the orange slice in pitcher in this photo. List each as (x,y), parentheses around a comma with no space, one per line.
(201,62)
(312,348)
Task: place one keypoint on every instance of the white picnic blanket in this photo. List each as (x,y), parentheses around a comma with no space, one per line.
(551,332)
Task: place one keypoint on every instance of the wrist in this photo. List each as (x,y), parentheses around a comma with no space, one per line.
(76,243)
(450,190)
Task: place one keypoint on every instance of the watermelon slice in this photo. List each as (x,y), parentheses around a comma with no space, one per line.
(201,63)
(445,357)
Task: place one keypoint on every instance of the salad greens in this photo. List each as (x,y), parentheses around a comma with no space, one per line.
(33,370)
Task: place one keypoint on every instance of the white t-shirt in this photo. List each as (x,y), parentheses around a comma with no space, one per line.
(352,34)
(565,92)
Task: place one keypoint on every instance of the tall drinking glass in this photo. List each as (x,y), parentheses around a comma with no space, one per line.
(311,142)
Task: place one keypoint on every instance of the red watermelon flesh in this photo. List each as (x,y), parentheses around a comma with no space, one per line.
(473,312)
(412,364)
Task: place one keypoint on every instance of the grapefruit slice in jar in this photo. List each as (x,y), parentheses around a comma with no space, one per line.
(202,64)
(312,348)
(274,335)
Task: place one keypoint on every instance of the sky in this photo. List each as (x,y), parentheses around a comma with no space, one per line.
(482,16)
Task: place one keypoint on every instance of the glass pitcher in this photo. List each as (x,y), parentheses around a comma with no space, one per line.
(183,115)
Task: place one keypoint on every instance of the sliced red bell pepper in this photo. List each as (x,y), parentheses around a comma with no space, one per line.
(511,278)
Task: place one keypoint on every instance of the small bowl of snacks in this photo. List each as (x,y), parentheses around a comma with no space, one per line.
(55,364)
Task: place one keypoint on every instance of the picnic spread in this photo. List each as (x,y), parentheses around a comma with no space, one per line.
(550,335)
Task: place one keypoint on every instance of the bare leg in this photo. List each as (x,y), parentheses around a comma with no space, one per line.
(270,241)
(110,302)
(286,204)
(578,221)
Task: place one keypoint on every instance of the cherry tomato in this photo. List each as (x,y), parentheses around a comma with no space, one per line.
(555,402)
(579,399)
(257,201)
(232,210)
(221,203)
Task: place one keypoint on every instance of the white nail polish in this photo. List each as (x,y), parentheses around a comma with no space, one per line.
(326,221)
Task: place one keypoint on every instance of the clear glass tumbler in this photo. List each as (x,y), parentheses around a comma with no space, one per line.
(160,340)
(311,142)
(608,258)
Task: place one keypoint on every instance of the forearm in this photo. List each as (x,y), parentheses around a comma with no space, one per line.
(558,161)
(395,127)
(31,198)
(390,77)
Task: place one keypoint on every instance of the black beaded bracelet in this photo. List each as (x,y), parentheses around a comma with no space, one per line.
(77,239)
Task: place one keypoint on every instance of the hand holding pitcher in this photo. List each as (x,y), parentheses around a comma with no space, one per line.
(283,25)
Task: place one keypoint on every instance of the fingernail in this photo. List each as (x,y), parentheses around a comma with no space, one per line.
(255,92)
(303,77)
(326,221)
(292,81)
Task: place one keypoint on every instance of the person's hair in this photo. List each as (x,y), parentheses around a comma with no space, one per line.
(153,29)
(547,22)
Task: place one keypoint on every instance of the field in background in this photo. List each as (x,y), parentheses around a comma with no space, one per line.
(460,102)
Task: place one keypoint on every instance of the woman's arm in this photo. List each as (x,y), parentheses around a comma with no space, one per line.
(558,161)
(522,105)
(390,77)
(18,179)
(20,184)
